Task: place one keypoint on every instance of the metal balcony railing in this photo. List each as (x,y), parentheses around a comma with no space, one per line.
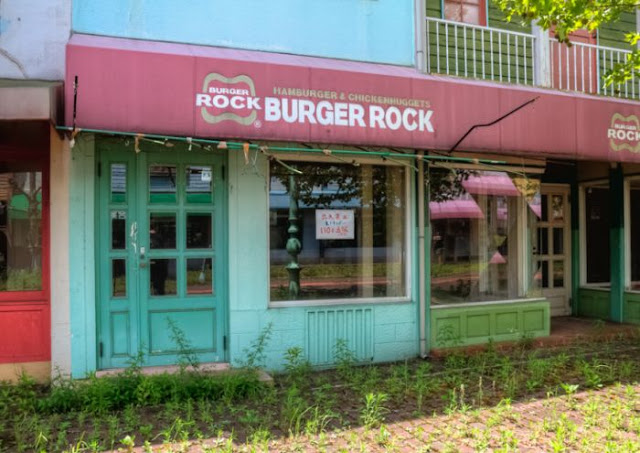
(480,52)
(581,67)
(465,50)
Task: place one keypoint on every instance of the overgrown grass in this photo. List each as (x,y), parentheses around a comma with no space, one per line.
(469,400)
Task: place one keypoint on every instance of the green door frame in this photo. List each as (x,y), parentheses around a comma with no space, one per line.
(117,344)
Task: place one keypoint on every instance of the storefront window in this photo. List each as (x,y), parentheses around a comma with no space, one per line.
(477,248)
(596,229)
(21,231)
(634,234)
(349,222)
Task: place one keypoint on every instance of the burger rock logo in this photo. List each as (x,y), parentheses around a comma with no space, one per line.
(221,94)
(624,133)
(234,98)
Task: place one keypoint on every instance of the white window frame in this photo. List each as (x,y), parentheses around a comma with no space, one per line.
(627,232)
(407,247)
(582,187)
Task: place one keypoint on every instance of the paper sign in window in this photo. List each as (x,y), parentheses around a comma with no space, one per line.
(335,224)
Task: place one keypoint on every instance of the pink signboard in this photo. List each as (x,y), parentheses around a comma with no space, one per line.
(194,91)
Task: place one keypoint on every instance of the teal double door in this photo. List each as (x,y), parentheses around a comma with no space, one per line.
(160,257)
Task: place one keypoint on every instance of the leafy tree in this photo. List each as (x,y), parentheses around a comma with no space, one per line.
(568,16)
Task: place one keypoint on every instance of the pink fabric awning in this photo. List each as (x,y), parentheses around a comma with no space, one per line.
(455,209)
(491,184)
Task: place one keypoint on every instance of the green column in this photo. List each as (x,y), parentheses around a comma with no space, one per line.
(293,243)
(575,244)
(616,240)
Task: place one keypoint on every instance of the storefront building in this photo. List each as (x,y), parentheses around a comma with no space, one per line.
(219,193)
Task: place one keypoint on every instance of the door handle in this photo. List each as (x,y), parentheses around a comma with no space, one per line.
(143,263)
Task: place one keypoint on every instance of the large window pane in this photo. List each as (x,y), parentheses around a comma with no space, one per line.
(350,222)
(474,224)
(20,231)
(597,222)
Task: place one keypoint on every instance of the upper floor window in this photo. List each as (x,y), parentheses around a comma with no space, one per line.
(467,11)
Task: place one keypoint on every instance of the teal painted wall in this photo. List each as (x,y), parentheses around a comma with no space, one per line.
(82,288)
(376,332)
(393,328)
(367,30)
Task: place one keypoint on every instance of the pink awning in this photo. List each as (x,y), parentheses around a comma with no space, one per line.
(139,86)
(491,184)
(455,209)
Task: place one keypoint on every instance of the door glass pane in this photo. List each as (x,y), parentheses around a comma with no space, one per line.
(199,280)
(162,183)
(545,274)
(20,230)
(198,231)
(557,207)
(162,277)
(118,278)
(118,183)
(545,208)
(543,241)
(558,274)
(558,241)
(118,230)
(162,230)
(199,184)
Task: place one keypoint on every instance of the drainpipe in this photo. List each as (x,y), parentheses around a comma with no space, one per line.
(420,10)
(422,267)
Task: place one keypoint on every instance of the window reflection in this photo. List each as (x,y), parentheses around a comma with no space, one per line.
(351,227)
(474,253)
(20,231)
(199,276)
(163,277)
(162,184)
(199,181)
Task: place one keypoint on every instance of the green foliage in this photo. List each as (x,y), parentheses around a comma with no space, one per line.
(297,365)
(186,353)
(374,412)
(255,354)
(567,16)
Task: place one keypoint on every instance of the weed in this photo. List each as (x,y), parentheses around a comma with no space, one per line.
(345,358)
(374,412)
(186,353)
(255,354)
(297,365)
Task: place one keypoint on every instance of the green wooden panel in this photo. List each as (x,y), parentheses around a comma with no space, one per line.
(632,308)
(497,19)
(594,303)
(481,53)
(509,321)
(612,34)
(198,326)
(434,8)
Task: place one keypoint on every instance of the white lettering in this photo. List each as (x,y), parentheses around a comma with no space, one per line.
(409,123)
(203,99)
(341,113)
(424,119)
(272,109)
(220,101)
(289,116)
(393,118)
(376,117)
(237,102)
(324,113)
(356,115)
(611,133)
(306,110)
